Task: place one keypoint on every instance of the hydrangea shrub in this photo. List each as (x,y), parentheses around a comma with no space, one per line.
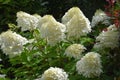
(41,48)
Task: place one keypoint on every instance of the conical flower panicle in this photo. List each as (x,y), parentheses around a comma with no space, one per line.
(76,23)
(75,51)
(51,30)
(27,21)
(89,65)
(108,39)
(12,43)
(100,16)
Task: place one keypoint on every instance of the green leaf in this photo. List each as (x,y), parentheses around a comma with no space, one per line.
(5,1)
(36,34)
(86,41)
(11,25)
(117,6)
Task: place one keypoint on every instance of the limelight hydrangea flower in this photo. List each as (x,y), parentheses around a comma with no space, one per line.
(108,39)
(27,21)
(45,19)
(89,65)
(76,22)
(54,74)
(100,16)
(12,43)
(75,50)
(51,30)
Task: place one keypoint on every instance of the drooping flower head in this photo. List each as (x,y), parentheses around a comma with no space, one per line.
(51,30)
(54,74)
(76,22)
(89,65)
(75,50)
(100,16)
(108,38)
(12,43)
(27,21)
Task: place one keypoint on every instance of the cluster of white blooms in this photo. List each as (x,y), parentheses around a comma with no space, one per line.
(76,23)
(100,16)
(2,75)
(27,21)
(108,39)
(12,43)
(54,74)
(51,30)
(89,65)
(45,19)
(75,50)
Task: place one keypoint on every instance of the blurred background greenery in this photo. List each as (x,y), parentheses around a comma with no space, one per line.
(57,8)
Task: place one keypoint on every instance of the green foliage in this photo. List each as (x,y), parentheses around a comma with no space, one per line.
(9,8)
(38,56)
(5,1)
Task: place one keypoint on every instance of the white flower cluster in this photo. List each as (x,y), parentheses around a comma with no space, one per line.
(77,24)
(2,76)
(108,39)
(51,30)
(27,21)
(100,16)
(12,43)
(89,65)
(54,74)
(45,19)
(75,50)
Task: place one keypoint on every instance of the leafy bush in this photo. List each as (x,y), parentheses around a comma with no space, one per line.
(42,48)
